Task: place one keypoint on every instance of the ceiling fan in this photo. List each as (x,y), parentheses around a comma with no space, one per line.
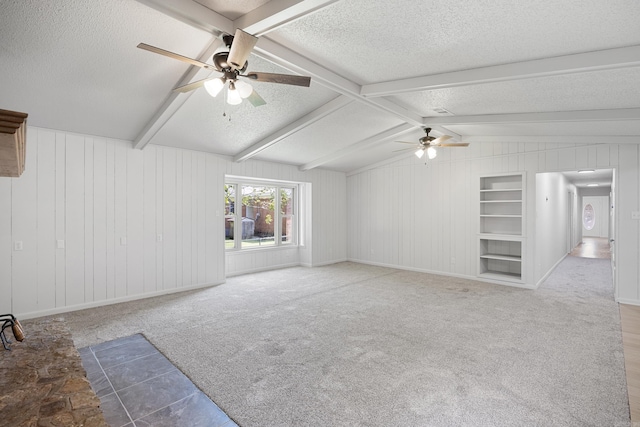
(232,63)
(428,144)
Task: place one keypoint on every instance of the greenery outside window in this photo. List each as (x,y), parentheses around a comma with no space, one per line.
(257,212)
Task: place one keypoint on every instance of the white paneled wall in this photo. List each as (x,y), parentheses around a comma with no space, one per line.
(424,217)
(133,223)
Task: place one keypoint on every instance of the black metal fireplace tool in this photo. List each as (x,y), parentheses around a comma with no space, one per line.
(8,320)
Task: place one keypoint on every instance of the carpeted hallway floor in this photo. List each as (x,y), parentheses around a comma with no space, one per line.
(351,344)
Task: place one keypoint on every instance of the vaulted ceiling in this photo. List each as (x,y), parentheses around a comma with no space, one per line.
(545,71)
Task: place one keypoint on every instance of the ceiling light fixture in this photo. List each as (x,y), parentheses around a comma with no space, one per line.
(592,185)
(214,86)
(419,153)
(238,90)
(586,171)
(244,89)
(233,95)
(431,153)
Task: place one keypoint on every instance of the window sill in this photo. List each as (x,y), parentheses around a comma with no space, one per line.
(270,248)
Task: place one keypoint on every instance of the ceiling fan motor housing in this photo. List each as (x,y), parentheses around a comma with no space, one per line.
(220,61)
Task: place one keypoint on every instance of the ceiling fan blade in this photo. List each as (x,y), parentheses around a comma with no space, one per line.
(285,79)
(175,56)
(461,144)
(440,140)
(241,48)
(255,99)
(192,86)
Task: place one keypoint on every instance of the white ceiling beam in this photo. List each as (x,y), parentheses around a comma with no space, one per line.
(277,13)
(379,138)
(558,116)
(567,64)
(194,14)
(556,139)
(175,100)
(293,61)
(290,129)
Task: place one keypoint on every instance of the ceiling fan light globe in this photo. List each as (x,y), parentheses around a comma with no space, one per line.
(419,153)
(244,89)
(214,86)
(431,153)
(233,97)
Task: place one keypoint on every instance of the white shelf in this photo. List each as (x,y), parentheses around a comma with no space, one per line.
(500,227)
(498,190)
(499,275)
(502,257)
(493,236)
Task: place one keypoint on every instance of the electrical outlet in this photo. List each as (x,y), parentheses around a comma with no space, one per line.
(123,241)
(453,260)
(17,245)
(635,215)
(159,237)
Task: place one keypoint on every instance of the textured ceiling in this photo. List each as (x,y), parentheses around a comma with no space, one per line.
(373,41)
(76,68)
(379,69)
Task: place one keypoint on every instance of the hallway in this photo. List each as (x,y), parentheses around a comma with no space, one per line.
(593,247)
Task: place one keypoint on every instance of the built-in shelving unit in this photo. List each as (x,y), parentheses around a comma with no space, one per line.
(501,227)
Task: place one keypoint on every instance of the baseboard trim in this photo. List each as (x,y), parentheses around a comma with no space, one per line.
(417,270)
(628,301)
(550,271)
(84,306)
(444,273)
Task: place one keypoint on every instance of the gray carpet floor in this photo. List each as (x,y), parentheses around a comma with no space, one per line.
(358,345)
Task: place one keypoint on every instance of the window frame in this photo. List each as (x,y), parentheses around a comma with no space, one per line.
(238,183)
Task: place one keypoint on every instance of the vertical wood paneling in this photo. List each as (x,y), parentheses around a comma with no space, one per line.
(213,220)
(135,222)
(186,192)
(179,278)
(99,219)
(201,221)
(120,218)
(602,156)
(89,216)
(74,219)
(6,245)
(46,193)
(149,256)
(60,220)
(24,222)
(160,218)
(110,220)
(169,218)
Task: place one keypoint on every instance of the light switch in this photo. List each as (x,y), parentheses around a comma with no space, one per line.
(17,245)
(123,241)
(635,215)
(60,244)
(159,237)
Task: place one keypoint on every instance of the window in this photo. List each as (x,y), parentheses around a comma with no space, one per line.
(257,212)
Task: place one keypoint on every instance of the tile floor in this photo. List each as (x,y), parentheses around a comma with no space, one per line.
(139,387)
